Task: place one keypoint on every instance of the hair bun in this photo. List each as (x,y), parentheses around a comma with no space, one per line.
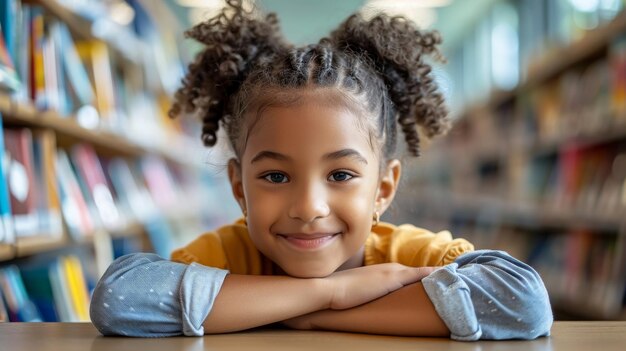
(396,49)
(235,42)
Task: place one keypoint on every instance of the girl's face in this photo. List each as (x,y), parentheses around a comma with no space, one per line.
(310,183)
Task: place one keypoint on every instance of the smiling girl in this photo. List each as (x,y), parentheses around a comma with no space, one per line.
(313,130)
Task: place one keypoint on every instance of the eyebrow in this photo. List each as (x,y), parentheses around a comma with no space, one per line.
(351,153)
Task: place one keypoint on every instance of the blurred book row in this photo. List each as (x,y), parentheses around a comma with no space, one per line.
(46,63)
(52,291)
(54,287)
(541,172)
(57,199)
(46,190)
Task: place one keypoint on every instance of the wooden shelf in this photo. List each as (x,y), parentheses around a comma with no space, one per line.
(559,60)
(27,246)
(499,150)
(32,245)
(105,142)
(613,133)
(523,215)
(26,115)
(564,58)
(6,252)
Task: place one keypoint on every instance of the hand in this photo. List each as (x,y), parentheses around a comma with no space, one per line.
(360,285)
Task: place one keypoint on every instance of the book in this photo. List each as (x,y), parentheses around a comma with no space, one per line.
(617,58)
(91,173)
(9,80)
(38,91)
(48,203)
(76,214)
(7,232)
(18,303)
(21,181)
(79,83)
(9,10)
(95,55)
(4,313)
(132,193)
(77,287)
(60,291)
(36,276)
(23,52)
(56,82)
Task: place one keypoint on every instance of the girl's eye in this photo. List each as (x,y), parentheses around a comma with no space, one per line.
(340,177)
(275,178)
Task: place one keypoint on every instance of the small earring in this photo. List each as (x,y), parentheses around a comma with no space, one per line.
(245,216)
(376,218)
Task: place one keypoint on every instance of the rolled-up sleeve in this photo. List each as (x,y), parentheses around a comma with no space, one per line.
(488,294)
(147,296)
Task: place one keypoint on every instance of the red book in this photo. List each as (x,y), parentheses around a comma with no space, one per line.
(21,180)
(89,168)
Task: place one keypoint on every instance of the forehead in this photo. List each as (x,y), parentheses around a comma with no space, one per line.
(309,126)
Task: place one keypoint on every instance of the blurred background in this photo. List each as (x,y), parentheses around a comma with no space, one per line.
(92,168)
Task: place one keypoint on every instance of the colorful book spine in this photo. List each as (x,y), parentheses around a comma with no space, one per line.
(7,231)
(19,144)
(9,80)
(76,213)
(19,305)
(38,76)
(77,287)
(48,204)
(91,172)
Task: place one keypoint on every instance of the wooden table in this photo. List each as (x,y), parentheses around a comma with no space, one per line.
(598,336)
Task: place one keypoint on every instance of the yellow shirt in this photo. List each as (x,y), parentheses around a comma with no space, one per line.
(230,248)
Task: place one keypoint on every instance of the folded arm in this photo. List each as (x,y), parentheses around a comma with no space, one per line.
(146,295)
(407,311)
(482,295)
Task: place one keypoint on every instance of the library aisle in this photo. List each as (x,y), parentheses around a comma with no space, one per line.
(536,161)
(92,168)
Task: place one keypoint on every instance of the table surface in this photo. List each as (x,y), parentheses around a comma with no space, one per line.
(601,336)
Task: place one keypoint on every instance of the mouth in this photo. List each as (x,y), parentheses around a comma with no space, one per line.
(309,241)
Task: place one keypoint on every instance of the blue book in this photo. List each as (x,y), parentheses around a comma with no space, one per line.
(19,305)
(8,12)
(9,80)
(7,232)
(4,313)
(37,283)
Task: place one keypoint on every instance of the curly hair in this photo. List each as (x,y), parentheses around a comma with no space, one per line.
(246,64)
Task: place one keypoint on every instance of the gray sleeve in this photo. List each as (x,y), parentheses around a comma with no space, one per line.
(488,294)
(147,296)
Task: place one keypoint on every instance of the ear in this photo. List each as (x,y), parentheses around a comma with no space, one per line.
(236,183)
(389,180)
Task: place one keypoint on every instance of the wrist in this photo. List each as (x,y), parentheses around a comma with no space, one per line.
(324,289)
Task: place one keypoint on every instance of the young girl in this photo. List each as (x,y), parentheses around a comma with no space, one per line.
(313,131)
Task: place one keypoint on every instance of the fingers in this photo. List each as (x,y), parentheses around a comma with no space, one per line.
(415,274)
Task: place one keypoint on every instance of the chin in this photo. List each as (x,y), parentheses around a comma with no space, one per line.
(308,272)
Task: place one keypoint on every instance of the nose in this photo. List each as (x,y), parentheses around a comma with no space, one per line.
(309,203)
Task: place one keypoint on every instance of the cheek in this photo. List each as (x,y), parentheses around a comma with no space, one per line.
(358,203)
(263,202)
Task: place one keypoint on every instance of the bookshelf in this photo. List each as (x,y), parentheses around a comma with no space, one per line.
(82,188)
(540,171)
(82,28)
